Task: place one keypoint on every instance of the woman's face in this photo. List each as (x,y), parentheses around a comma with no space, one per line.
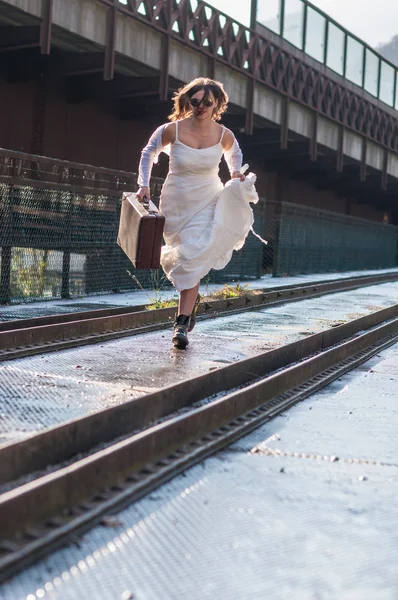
(202,108)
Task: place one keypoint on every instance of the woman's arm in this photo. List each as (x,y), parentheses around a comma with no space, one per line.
(163,136)
(233,155)
(169,134)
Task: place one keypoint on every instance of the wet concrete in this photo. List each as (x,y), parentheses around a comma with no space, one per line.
(41,391)
(34,309)
(317,522)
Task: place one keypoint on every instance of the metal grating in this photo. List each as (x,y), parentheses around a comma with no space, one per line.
(247,525)
(45,390)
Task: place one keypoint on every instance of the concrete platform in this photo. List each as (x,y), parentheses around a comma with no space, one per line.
(304,508)
(140,297)
(41,391)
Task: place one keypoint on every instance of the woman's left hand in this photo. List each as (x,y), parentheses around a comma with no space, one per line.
(238,175)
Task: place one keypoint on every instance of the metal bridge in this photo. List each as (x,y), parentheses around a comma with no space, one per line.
(87,426)
(338,106)
(87,81)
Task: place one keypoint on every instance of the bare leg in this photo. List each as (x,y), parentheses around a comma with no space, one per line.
(187,300)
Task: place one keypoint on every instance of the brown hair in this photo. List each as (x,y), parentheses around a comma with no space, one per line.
(181,98)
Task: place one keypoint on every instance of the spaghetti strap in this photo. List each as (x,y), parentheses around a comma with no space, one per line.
(177,140)
(222,133)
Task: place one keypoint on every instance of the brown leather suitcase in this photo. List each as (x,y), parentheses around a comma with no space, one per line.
(140,232)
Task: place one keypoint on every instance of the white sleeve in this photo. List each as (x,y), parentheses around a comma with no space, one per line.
(234,157)
(149,155)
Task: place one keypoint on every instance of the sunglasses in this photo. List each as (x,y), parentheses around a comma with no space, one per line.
(195,102)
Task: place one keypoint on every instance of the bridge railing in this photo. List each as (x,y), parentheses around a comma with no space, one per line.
(264,60)
(58,227)
(321,37)
(59,222)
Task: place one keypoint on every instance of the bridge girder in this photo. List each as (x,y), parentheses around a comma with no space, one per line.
(138,91)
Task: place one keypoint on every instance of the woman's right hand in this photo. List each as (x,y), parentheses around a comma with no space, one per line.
(142,193)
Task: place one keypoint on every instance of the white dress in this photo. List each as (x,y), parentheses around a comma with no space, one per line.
(205,221)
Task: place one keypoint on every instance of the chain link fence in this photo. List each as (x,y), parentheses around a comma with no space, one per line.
(59,223)
(58,230)
(311,240)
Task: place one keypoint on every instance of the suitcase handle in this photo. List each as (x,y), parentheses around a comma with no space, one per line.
(144,201)
(145,204)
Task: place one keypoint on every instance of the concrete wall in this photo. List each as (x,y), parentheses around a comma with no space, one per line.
(138,42)
(328,133)
(33,7)
(268,104)
(85,18)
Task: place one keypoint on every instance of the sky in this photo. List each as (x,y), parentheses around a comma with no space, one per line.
(375,22)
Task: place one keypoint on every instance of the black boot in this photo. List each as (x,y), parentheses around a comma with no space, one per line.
(192,321)
(180,333)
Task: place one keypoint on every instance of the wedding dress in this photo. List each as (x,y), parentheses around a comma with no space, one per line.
(205,221)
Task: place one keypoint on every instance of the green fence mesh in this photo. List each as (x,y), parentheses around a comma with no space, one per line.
(59,223)
(309,240)
(58,231)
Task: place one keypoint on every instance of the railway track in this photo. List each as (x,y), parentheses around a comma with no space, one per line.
(104,461)
(46,334)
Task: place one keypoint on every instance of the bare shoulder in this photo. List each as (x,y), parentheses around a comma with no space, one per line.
(228,139)
(169,134)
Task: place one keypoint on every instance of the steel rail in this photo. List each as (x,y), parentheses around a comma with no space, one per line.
(43,514)
(46,334)
(61,442)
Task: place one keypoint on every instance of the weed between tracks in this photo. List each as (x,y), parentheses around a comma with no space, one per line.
(226,292)
(159,303)
(160,284)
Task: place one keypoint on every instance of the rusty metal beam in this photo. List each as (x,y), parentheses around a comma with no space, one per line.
(285,123)
(340,154)
(66,176)
(363,169)
(384,174)
(314,138)
(166,15)
(109,65)
(212,67)
(164,70)
(253,13)
(251,84)
(46,26)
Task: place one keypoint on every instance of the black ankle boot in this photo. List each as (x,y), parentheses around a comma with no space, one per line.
(180,332)
(192,321)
